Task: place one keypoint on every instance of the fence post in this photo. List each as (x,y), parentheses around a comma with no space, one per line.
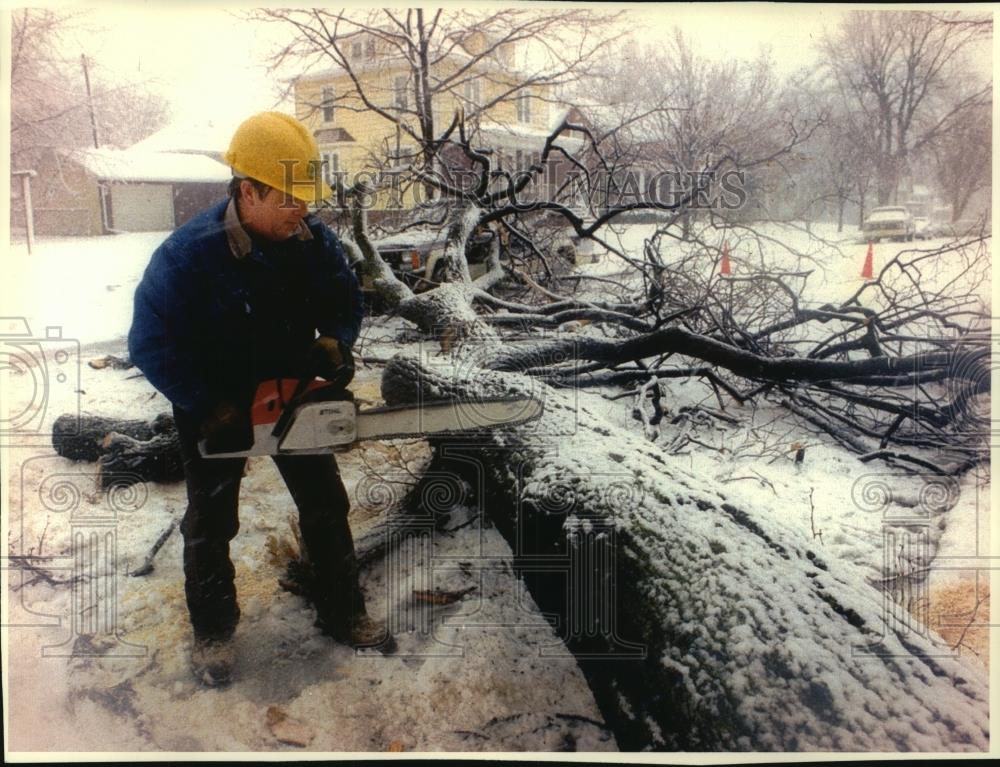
(29,216)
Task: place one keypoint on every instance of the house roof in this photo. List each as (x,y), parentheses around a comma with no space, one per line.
(139,165)
(210,137)
(395,61)
(332,135)
(526,136)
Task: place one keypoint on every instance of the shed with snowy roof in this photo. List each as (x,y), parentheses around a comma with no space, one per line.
(101,191)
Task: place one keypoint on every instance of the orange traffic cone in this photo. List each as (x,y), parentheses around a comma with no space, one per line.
(725,268)
(866,270)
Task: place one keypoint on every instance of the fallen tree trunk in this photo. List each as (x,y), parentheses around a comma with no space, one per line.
(699,624)
(678,340)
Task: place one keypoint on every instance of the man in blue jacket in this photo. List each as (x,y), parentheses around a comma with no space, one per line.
(253,288)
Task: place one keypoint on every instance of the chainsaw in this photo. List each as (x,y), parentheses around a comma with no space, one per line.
(311,416)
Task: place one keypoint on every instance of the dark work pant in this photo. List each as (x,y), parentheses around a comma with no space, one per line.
(212,521)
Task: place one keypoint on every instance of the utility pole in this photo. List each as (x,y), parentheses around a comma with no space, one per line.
(102,189)
(90,99)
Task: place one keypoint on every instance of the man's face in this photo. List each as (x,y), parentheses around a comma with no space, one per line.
(274,215)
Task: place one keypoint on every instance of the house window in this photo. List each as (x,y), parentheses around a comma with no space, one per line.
(370,48)
(524,159)
(331,166)
(472,92)
(399,91)
(327,104)
(524,107)
(357,48)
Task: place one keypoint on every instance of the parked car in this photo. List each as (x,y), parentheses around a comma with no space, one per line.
(895,222)
(416,257)
(415,254)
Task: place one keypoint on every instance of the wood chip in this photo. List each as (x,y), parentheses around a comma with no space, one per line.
(110,360)
(391,452)
(280,551)
(287,730)
(440,597)
(396,745)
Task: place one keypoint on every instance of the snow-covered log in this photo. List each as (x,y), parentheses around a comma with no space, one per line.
(128,450)
(700,624)
(157,459)
(81,438)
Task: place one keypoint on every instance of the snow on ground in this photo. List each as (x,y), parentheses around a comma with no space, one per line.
(469,676)
(834,258)
(858,512)
(82,285)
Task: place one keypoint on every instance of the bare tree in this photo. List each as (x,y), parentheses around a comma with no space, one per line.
(50,106)
(963,157)
(677,113)
(446,55)
(126,112)
(46,106)
(837,170)
(712,110)
(898,70)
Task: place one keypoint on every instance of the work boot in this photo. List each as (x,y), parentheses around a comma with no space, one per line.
(212,661)
(368,632)
(362,631)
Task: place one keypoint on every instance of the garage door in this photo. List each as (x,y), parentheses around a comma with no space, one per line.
(142,207)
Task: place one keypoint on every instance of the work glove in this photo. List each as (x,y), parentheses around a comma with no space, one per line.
(228,429)
(331,359)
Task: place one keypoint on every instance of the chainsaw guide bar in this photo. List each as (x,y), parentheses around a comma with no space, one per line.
(320,427)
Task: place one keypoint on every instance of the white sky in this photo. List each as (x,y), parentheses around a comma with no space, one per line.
(209,63)
(739,31)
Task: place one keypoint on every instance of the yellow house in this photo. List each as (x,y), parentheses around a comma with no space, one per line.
(354,114)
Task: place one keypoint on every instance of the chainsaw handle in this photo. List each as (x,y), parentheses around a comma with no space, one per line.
(289,409)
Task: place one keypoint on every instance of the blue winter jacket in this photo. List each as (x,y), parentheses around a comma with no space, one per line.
(208,326)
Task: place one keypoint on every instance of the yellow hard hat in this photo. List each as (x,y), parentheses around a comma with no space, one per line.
(278,150)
